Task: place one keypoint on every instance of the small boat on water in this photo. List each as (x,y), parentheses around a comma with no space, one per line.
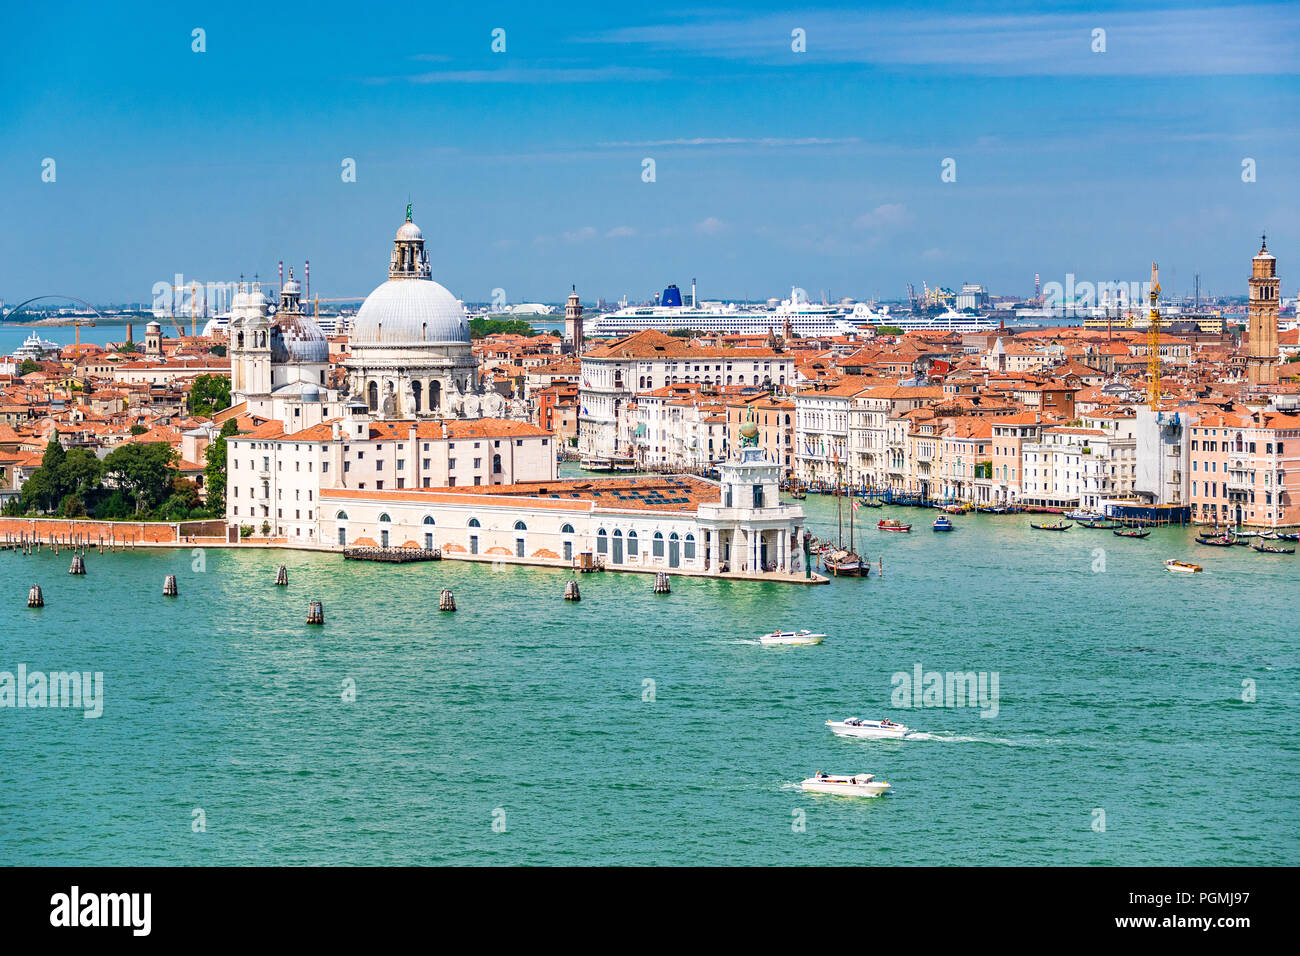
(1131,532)
(942,523)
(856,727)
(845,785)
(1080,514)
(1060,526)
(1182,567)
(954,509)
(792,637)
(1271,549)
(1219,542)
(868,503)
(892,524)
(1098,525)
(1288,535)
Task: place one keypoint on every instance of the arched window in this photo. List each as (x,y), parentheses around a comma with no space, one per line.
(602,542)
(384,517)
(689,550)
(416,388)
(631,544)
(566,529)
(372,396)
(428,519)
(341,516)
(496,464)
(435,395)
(473,522)
(520,526)
(657,546)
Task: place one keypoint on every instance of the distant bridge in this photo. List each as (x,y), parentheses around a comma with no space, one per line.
(36,298)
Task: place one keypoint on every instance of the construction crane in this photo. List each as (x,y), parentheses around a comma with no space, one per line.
(347,298)
(1153,344)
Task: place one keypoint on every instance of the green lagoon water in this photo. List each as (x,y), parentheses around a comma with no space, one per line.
(1120,690)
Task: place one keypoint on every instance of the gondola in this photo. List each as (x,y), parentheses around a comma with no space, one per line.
(1269,549)
(1131,533)
(1215,542)
(1063,526)
(1098,525)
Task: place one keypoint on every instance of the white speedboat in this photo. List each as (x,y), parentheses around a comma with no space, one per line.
(856,727)
(1081,514)
(792,637)
(844,785)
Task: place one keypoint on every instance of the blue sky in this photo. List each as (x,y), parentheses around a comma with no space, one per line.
(773,168)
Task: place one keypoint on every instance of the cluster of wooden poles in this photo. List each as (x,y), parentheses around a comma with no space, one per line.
(316,609)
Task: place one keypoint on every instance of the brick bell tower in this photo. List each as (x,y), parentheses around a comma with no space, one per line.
(1261,323)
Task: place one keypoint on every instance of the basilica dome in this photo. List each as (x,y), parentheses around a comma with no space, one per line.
(410,312)
(297,338)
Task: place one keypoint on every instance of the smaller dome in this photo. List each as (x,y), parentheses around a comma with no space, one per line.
(408,231)
(298,339)
(292,286)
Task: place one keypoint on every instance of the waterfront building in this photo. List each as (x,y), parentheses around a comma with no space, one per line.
(1261,322)
(1010,435)
(822,429)
(868,426)
(1079,467)
(679,427)
(278,476)
(1246,469)
(965,465)
(735,527)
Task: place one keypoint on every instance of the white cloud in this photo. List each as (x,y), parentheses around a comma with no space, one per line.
(711,226)
(884,216)
(620,232)
(581,235)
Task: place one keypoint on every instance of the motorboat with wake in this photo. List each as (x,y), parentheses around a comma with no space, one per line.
(856,727)
(1082,515)
(1182,567)
(893,524)
(844,785)
(792,637)
(942,523)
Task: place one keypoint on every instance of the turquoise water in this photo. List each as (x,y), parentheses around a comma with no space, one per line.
(1120,690)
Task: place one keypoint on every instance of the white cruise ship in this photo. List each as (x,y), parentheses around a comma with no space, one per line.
(947,321)
(805,319)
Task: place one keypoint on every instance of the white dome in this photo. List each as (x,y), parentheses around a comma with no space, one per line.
(409,230)
(410,312)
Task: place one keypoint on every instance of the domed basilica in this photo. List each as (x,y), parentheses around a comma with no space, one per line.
(410,354)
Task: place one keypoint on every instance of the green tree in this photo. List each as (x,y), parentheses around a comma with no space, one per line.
(81,472)
(29,366)
(479,327)
(214,471)
(208,395)
(144,470)
(218,350)
(128,347)
(139,429)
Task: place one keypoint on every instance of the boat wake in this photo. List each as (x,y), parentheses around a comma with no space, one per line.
(968,739)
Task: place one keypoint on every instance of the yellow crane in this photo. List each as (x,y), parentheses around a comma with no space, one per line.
(1153,344)
(318,300)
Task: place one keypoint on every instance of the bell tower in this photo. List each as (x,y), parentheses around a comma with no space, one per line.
(573,322)
(409,260)
(1261,322)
